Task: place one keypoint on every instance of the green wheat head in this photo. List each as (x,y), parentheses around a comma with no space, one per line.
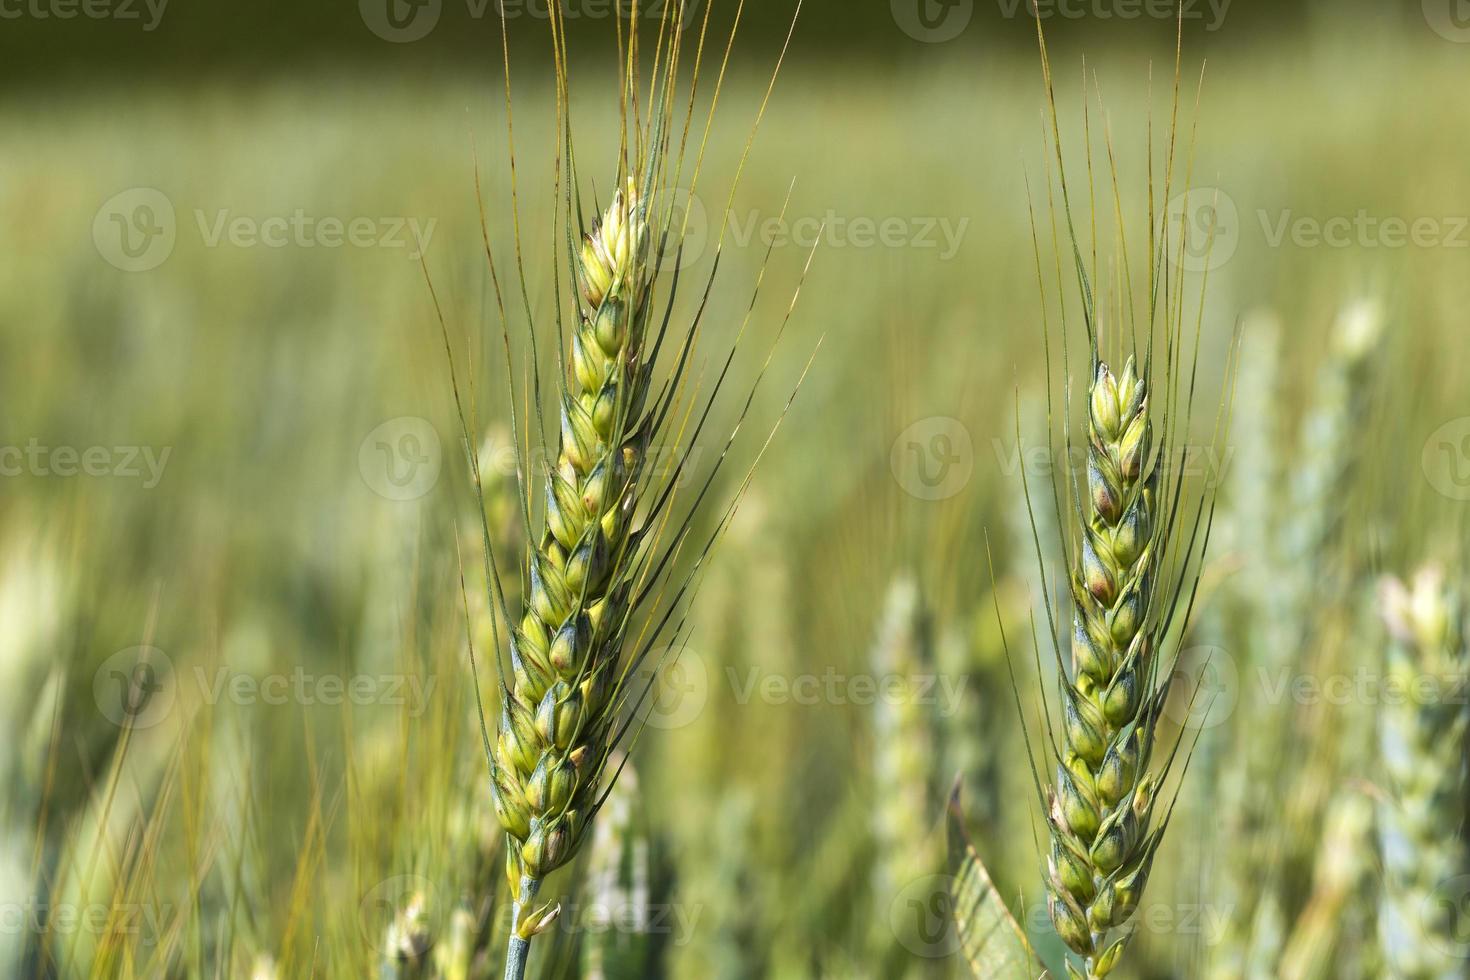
(1132,535)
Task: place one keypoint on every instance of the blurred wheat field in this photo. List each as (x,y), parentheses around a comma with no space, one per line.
(308,795)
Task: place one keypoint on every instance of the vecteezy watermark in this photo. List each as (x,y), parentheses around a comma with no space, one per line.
(674,922)
(1365,230)
(405,21)
(134,688)
(1364,686)
(933,21)
(1205,229)
(1450,19)
(921,917)
(146,13)
(1210,683)
(1203,688)
(673,465)
(400,459)
(137,229)
(298,686)
(1211,12)
(1206,921)
(834,230)
(302,230)
(145,463)
(401,915)
(933,459)
(145,924)
(1444,918)
(669,688)
(1202,229)
(937,21)
(137,688)
(1446,459)
(1208,463)
(941,693)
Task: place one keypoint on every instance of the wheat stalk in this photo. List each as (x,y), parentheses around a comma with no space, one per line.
(1288,533)
(903,755)
(1134,548)
(1422,750)
(1107,784)
(557,725)
(603,588)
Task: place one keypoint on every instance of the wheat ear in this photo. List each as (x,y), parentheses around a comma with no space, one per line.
(556,725)
(1422,747)
(1134,549)
(604,584)
(1101,809)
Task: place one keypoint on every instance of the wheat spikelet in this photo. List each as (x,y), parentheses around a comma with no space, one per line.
(1102,808)
(1422,751)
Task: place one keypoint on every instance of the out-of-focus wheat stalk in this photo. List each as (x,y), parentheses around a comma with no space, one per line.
(1295,578)
(904,844)
(618,922)
(1422,749)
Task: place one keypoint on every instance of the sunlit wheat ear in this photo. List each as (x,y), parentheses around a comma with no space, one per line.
(556,723)
(613,555)
(1132,536)
(1422,744)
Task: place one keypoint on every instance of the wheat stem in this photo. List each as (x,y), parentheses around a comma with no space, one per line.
(518,947)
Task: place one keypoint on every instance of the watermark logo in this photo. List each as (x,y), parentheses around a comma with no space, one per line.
(939,694)
(1446,459)
(833,230)
(1202,229)
(135,230)
(1211,12)
(1363,229)
(143,463)
(401,916)
(145,925)
(405,21)
(134,688)
(933,459)
(1038,460)
(921,916)
(1206,922)
(933,21)
(670,688)
(401,21)
(688,230)
(1450,19)
(1204,689)
(148,13)
(1445,917)
(400,459)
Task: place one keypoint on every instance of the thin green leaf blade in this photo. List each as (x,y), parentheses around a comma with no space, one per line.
(991,940)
